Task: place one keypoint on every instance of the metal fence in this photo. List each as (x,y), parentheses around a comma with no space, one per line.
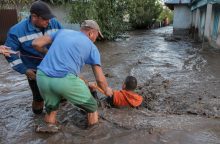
(8,17)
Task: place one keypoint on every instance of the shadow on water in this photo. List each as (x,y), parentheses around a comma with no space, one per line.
(178,79)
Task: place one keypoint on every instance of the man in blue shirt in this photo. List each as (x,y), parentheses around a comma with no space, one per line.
(20,36)
(58,73)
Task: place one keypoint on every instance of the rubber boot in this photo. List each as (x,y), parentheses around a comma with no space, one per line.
(37,107)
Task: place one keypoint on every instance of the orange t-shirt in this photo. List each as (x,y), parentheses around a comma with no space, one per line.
(126,98)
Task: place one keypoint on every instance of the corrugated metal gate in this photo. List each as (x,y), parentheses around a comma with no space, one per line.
(8,17)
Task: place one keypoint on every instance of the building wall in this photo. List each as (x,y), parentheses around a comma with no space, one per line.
(209,19)
(182,20)
(182,17)
(201,23)
(194,18)
(197,18)
(215,29)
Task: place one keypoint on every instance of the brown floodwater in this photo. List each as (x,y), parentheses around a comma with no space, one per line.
(178,77)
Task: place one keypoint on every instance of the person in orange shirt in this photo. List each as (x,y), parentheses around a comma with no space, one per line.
(124,97)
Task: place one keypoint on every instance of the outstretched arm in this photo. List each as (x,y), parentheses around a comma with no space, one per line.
(5,50)
(101,80)
(40,43)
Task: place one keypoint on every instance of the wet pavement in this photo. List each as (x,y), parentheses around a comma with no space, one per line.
(179,79)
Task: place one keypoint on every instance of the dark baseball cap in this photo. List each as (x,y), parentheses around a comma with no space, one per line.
(41,9)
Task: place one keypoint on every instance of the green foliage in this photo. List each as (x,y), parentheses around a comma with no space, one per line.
(108,14)
(81,10)
(166,13)
(143,13)
(57,2)
(14,3)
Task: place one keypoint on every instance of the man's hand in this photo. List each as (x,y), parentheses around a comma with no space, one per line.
(101,81)
(92,86)
(31,74)
(40,43)
(109,91)
(5,50)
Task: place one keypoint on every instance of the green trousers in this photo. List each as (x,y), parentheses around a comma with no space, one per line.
(69,87)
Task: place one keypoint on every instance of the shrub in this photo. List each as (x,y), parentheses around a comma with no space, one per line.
(108,14)
(143,13)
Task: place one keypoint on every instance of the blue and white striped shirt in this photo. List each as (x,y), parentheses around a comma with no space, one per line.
(20,38)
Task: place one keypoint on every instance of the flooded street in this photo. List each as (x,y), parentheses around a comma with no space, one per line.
(179,80)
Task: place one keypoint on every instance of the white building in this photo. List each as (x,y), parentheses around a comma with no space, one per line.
(182,15)
(199,16)
(205,16)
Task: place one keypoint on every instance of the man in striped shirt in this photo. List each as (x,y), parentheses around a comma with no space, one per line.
(40,22)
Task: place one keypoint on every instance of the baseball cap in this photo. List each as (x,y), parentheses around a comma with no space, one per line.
(41,9)
(92,24)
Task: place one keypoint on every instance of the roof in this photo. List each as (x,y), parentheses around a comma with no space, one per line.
(171,3)
(177,1)
(193,3)
(199,3)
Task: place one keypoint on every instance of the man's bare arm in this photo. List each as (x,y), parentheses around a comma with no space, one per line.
(40,43)
(101,80)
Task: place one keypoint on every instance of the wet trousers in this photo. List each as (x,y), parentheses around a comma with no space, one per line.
(69,87)
(35,91)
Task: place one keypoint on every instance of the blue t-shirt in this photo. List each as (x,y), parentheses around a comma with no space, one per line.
(69,52)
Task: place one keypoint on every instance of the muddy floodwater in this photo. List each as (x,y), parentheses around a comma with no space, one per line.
(178,77)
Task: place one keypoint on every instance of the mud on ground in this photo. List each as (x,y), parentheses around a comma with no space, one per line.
(179,79)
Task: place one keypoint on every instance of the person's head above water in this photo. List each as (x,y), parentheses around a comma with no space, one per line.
(130,83)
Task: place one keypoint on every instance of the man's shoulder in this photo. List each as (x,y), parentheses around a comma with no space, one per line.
(69,32)
(117,92)
(20,26)
(128,92)
(55,23)
(54,20)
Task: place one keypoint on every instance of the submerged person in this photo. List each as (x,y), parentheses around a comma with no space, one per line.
(125,97)
(40,22)
(58,74)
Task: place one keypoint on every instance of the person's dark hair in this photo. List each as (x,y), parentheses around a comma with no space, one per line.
(130,83)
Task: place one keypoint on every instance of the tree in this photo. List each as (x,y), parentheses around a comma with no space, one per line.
(108,13)
(143,13)
(58,2)
(15,4)
(166,13)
